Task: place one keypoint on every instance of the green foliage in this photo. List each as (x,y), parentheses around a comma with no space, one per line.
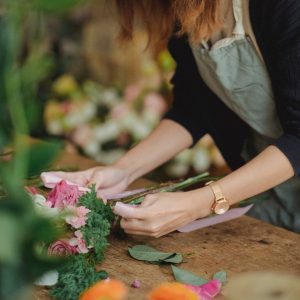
(149,254)
(79,272)
(221,275)
(98,225)
(74,277)
(23,64)
(187,277)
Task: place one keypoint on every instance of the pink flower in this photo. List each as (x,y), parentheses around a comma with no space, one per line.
(136,284)
(79,242)
(31,190)
(78,216)
(132,91)
(64,195)
(61,248)
(156,103)
(120,111)
(207,291)
(82,135)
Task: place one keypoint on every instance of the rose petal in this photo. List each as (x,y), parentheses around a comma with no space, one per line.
(207,291)
(136,284)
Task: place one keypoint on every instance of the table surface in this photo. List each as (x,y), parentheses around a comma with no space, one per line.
(241,245)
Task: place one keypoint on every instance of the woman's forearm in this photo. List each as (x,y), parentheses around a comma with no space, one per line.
(265,171)
(167,140)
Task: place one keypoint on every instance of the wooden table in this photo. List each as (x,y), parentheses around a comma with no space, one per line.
(244,244)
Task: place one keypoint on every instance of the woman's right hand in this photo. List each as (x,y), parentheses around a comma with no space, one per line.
(108,180)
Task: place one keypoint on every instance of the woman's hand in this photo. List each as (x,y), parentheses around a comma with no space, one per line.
(108,180)
(163,213)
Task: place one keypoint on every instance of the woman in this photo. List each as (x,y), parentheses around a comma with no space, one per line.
(238,79)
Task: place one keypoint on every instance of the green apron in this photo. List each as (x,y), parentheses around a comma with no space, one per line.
(234,70)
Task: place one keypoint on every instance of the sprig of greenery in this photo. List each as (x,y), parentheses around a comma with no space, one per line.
(76,275)
(98,224)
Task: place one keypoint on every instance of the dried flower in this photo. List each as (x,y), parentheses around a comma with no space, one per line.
(79,243)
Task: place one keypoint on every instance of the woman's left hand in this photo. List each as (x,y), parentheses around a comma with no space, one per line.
(163,213)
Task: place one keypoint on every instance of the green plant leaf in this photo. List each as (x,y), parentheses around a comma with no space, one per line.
(41,156)
(146,253)
(222,276)
(187,277)
(175,259)
(9,238)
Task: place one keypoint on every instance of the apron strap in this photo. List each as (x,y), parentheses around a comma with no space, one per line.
(248,27)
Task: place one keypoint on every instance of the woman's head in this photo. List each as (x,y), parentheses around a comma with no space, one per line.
(196,18)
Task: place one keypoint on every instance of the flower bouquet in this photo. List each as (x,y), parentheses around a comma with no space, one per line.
(86,222)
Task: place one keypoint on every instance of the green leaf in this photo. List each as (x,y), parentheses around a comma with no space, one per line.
(41,155)
(146,253)
(187,277)
(175,259)
(9,238)
(222,276)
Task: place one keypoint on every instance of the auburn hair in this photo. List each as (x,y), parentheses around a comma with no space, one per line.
(198,19)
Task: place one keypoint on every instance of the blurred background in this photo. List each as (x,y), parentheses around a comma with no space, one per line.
(66,84)
(102,97)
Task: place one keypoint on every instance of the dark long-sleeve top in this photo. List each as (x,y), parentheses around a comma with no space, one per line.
(276,25)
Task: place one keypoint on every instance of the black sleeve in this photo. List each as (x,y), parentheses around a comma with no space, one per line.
(188,90)
(283,46)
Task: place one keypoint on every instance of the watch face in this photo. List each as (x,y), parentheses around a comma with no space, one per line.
(221,207)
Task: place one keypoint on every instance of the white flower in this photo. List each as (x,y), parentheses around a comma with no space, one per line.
(48,279)
(55,127)
(42,208)
(185,157)
(107,131)
(88,111)
(92,148)
(110,97)
(177,169)
(201,159)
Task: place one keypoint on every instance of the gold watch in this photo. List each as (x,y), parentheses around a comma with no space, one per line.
(221,204)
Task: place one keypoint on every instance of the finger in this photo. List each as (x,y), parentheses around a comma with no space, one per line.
(135,225)
(149,200)
(50,179)
(116,188)
(130,211)
(142,233)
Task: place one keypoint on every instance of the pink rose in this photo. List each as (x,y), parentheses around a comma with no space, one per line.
(31,190)
(61,248)
(64,195)
(120,110)
(78,216)
(79,242)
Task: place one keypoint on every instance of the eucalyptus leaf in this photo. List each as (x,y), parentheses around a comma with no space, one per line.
(187,277)
(175,259)
(146,253)
(222,276)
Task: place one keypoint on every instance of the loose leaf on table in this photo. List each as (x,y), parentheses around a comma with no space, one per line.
(149,254)
(222,276)
(187,277)
(175,259)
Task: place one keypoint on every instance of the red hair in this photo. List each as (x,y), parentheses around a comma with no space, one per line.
(196,18)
